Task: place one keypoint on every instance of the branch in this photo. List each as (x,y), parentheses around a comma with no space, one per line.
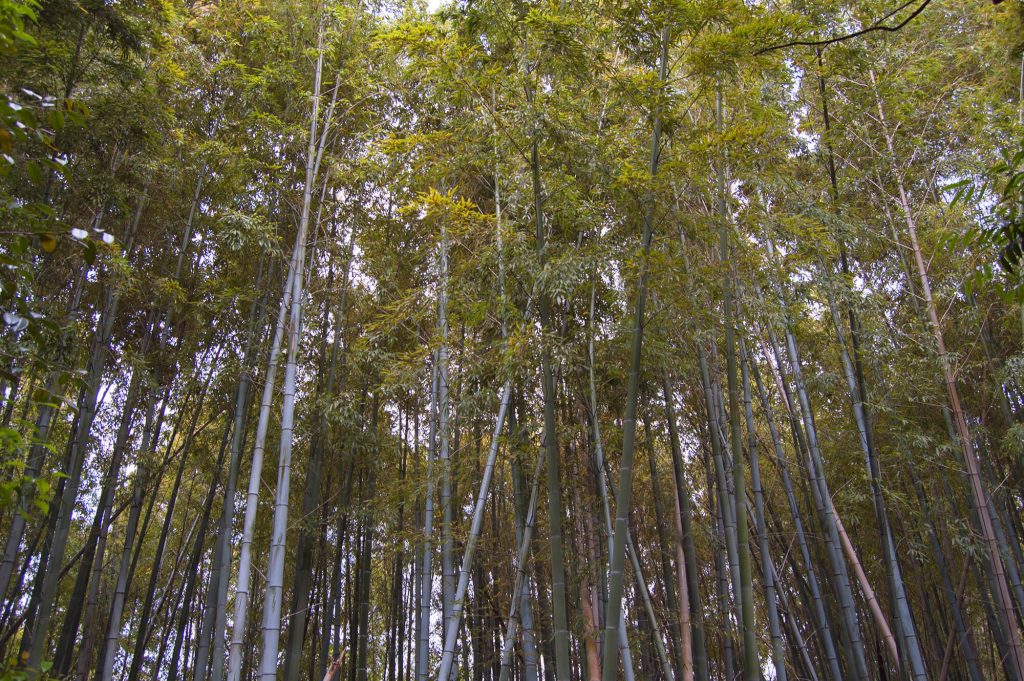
(877,26)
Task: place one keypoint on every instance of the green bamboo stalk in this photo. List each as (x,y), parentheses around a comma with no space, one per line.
(751,665)
(820,617)
(767,571)
(692,585)
(610,663)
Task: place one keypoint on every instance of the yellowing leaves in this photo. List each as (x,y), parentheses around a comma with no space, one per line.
(405,144)
(459,214)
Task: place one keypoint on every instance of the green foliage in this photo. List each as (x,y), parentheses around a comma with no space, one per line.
(999,195)
(12,671)
(152,173)
(1009,174)
(16,483)
(13,16)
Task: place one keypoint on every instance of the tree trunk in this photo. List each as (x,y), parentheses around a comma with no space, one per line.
(695,660)
(451,631)
(275,568)
(666,567)
(242,588)
(821,620)
(195,564)
(613,614)
(93,553)
(767,569)
(37,628)
(979,496)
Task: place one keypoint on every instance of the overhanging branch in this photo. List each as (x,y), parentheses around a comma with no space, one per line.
(878,25)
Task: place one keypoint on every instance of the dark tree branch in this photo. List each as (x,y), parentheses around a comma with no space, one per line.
(878,25)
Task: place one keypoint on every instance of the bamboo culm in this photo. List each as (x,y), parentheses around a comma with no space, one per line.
(613,613)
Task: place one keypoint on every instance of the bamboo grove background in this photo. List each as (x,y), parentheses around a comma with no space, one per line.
(647,339)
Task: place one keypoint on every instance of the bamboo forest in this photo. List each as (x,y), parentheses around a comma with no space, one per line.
(512,340)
